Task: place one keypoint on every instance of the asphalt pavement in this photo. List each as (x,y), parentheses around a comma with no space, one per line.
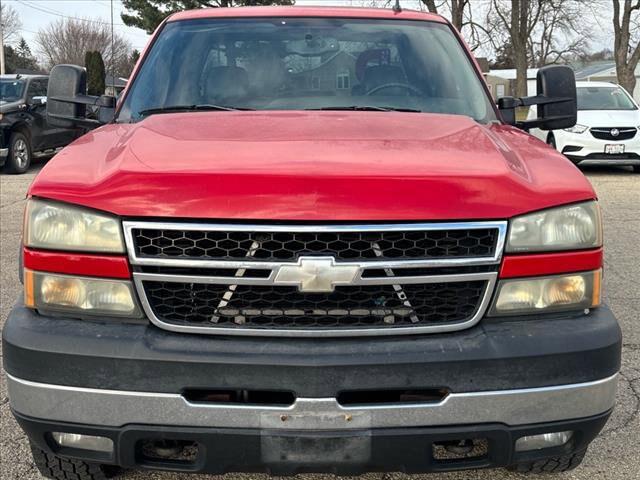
(613,455)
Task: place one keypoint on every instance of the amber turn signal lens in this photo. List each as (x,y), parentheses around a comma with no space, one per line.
(596,294)
(29,300)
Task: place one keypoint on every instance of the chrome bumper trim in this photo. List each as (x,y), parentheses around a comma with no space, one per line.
(117,408)
(4,152)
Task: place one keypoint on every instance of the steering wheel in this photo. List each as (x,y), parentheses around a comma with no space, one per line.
(406,86)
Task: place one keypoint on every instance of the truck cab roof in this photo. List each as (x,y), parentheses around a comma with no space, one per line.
(307,11)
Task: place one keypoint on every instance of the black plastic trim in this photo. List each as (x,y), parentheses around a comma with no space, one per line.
(291,452)
(493,355)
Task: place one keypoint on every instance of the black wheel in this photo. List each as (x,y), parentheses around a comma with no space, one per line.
(636,168)
(559,464)
(58,468)
(19,157)
(551,141)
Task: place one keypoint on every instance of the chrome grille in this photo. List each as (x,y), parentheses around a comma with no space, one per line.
(607,133)
(315,280)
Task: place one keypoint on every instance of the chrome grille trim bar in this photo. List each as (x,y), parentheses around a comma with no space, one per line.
(129,226)
(270,281)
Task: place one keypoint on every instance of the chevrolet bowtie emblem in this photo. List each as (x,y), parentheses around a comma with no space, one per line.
(316,274)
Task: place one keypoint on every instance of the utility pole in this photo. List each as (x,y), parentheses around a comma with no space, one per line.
(1,45)
(113,78)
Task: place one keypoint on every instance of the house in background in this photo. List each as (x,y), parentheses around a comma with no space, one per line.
(498,86)
(334,73)
(114,85)
(605,72)
(505,86)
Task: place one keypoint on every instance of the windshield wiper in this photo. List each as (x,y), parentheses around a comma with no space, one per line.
(369,108)
(190,108)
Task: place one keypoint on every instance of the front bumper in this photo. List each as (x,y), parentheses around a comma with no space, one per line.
(584,147)
(502,378)
(289,452)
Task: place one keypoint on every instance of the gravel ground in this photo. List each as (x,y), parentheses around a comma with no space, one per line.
(612,456)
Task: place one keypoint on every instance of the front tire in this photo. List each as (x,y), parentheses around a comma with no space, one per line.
(551,141)
(19,159)
(58,468)
(636,169)
(563,463)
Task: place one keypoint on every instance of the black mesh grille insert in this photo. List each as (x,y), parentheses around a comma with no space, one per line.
(274,246)
(252,306)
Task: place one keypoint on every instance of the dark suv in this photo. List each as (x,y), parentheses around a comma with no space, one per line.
(23,123)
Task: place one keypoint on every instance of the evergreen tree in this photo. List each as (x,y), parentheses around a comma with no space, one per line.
(20,58)
(95,73)
(147,14)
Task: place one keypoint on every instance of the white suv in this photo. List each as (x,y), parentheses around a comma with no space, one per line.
(607,128)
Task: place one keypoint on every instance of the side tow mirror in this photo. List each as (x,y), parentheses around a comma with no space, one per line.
(67,99)
(66,82)
(38,100)
(556,101)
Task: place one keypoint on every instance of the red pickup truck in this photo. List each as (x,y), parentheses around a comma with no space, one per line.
(307,240)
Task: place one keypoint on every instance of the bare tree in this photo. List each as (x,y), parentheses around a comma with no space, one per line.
(11,23)
(67,40)
(626,48)
(513,22)
(561,33)
(459,12)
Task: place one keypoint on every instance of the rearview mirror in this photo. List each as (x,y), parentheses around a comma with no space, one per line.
(556,101)
(67,99)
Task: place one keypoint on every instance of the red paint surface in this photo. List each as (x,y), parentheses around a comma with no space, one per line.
(311,11)
(311,166)
(77,263)
(550,263)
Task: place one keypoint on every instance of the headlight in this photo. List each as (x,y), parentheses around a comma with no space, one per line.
(548,294)
(57,226)
(571,227)
(80,295)
(577,129)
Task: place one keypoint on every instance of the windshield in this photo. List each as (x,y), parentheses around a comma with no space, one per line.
(604,98)
(11,90)
(307,63)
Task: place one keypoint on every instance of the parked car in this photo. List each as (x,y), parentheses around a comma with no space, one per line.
(307,240)
(606,131)
(23,124)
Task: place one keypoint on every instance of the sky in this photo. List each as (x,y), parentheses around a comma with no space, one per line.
(37,14)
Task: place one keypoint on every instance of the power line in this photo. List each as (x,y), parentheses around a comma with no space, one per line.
(88,20)
(60,14)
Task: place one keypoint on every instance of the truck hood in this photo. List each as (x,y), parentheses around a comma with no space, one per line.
(6,107)
(311,166)
(609,118)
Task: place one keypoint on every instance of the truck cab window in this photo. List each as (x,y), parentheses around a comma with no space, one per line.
(308,64)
